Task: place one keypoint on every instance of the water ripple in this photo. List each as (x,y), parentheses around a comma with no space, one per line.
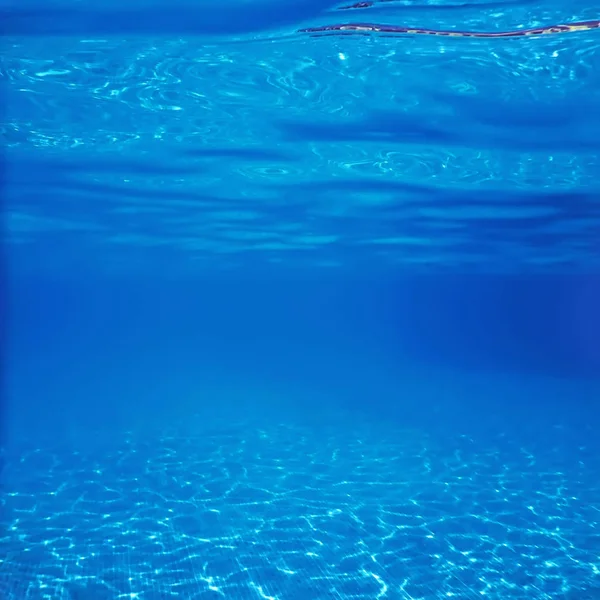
(122,133)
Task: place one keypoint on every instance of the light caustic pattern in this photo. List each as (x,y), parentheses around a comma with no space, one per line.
(297,512)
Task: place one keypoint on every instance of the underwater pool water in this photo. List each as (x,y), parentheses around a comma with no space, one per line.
(301,300)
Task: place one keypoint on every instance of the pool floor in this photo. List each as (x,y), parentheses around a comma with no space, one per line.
(359,511)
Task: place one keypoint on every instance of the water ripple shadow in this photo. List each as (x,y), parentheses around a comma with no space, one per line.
(403,128)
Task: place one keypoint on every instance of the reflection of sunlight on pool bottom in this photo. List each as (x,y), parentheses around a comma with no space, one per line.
(299,512)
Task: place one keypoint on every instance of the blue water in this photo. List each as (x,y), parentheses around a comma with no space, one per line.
(295,317)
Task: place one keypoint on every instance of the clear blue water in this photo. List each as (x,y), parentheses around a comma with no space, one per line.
(299,317)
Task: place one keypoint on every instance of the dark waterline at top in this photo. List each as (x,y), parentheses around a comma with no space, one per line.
(243,19)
